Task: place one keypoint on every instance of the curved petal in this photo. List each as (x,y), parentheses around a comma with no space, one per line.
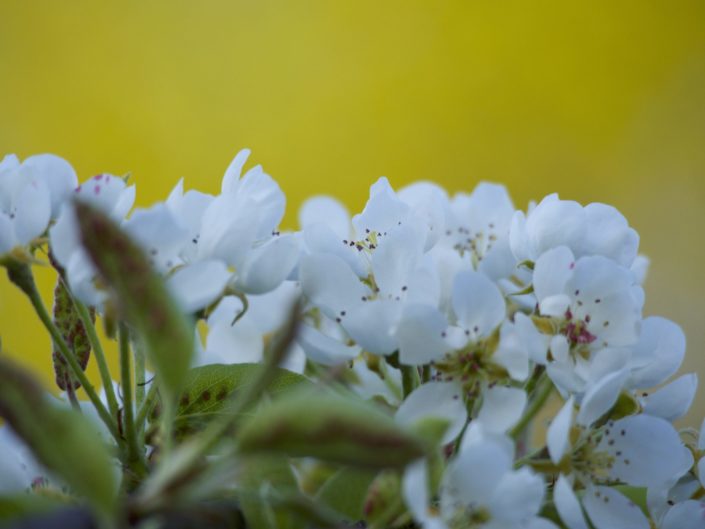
(231,178)
(518,496)
(689,514)
(474,475)
(600,397)
(568,505)
(554,222)
(647,451)
(373,325)
(658,353)
(552,271)
(198,285)
(478,303)
(326,210)
(382,212)
(420,335)
(331,285)
(395,260)
(32,211)
(609,234)
(609,509)
(558,434)
(501,408)
(56,173)
(160,234)
(7,234)
(260,189)
(320,238)
(267,266)
(233,344)
(435,399)
(324,349)
(673,401)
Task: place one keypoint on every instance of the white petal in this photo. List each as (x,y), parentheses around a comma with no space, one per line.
(519,238)
(267,266)
(609,234)
(198,285)
(260,189)
(324,349)
(511,353)
(558,434)
(33,209)
(552,271)
(272,310)
(394,261)
(555,222)
(640,269)
(541,523)
(420,335)
(160,235)
(600,397)
(56,173)
(228,229)
(7,234)
(106,192)
(535,342)
(647,451)
(326,210)
(689,514)
(382,212)
(611,510)
(673,401)
(478,303)
(659,352)
(518,496)
(502,408)
(555,305)
(331,285)
(234,344)
(473,476)
(320,238)
(231,178)
(435,399)
(415,489)
(373,325)
(568,505)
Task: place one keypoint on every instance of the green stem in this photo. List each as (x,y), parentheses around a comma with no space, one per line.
(425,373)
(21,275)
(183,463)
(136,468)
(543,390)
(409,379)
(140,393)
(99,355)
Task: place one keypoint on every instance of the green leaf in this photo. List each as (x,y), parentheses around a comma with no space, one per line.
(69,323)
(626,405)
(330,427)
(22,504)
(141,295)
(62,440)
(636,494)
(207,392)
(346,491)
(263,479)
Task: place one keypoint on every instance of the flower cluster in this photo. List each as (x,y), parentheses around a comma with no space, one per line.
(521,332)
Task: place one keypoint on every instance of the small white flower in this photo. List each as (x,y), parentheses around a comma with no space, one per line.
(596,229)
(31,195)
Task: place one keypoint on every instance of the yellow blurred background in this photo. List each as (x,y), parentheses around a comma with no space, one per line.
(600,101)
